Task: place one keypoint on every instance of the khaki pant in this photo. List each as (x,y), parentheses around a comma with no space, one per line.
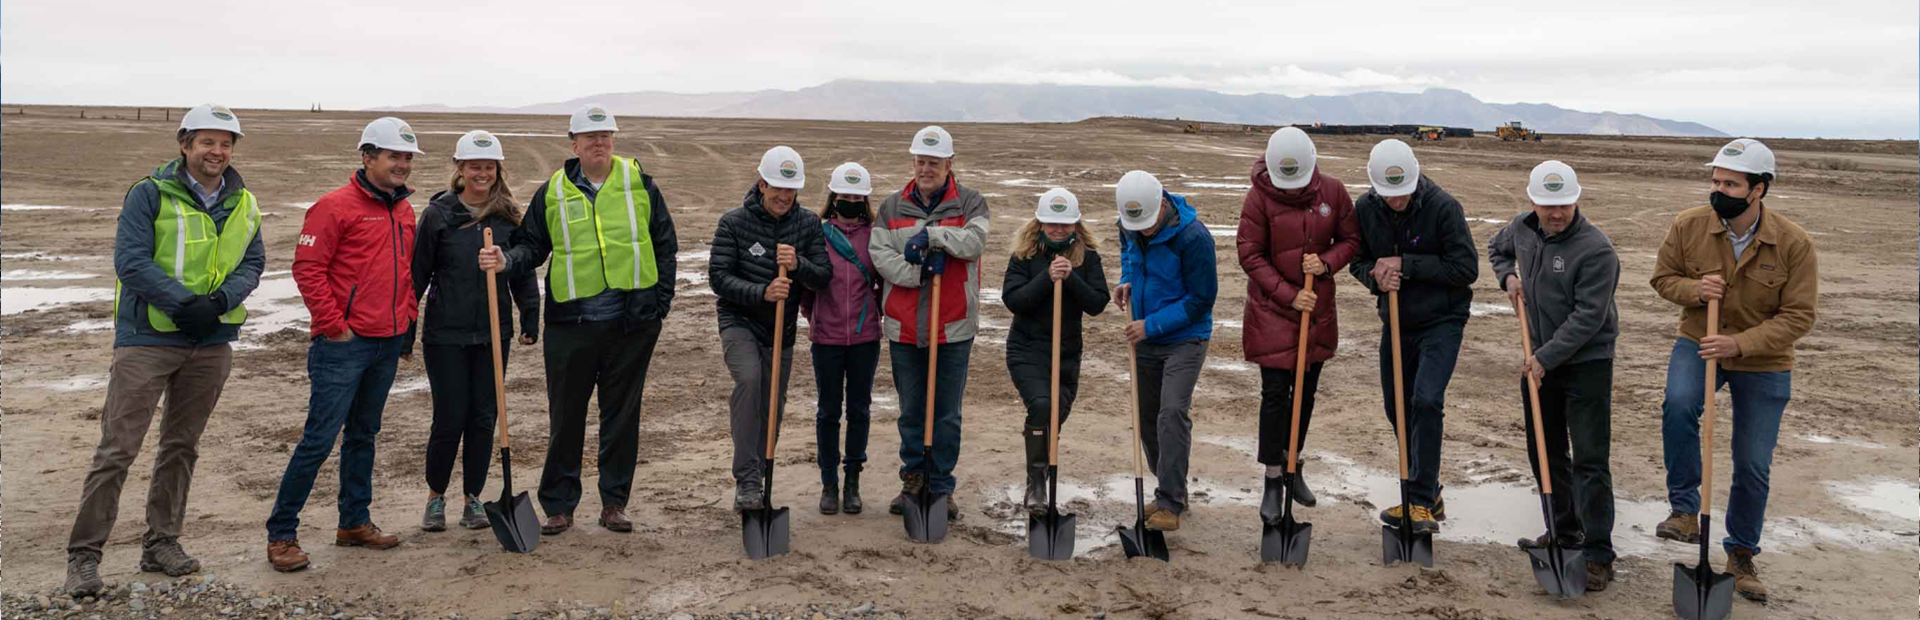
(191,378)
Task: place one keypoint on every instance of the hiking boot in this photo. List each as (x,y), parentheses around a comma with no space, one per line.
(614,519)
(166,556)
(1439,509)
(474,517)
(1679,526)
(747,495)
(953,509)
(829,499)
(366,535)
(1424,521)
(1270,501)
(850,494)
(555,524)
(1161,519)
(1599,574)
(910,485)
(1035,500)
(435,519)
(83,575)
(286,556)
(1746,576)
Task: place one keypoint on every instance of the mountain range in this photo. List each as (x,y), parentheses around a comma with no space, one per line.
(863,100)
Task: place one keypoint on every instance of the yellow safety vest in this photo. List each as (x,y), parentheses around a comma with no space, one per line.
(195,252)
(603,243)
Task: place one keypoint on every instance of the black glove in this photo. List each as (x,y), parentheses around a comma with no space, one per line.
(917,247)
(935,262)
(198,318)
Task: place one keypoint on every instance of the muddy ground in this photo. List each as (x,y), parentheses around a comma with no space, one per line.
(1840,539)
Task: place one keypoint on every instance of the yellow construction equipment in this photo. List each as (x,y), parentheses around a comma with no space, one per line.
(1515,131)
(1430,134)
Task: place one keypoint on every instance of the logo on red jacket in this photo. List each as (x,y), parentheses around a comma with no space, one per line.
(306,240)
(1325,211)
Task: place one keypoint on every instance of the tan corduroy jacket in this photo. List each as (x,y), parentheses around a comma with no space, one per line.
(1771,293)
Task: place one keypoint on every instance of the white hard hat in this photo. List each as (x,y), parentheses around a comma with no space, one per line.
(781,167)
(590,118)
(932,141)
(478,144)
(1392,169)
(210,116)
(391,134)
(1290,158)
(1058,206)
(1744,155)
(1553,184)
(1138,197)
(850,179)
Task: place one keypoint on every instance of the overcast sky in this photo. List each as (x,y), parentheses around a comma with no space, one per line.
(1835,68)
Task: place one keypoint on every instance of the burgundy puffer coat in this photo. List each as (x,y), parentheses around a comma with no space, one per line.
(1274,234)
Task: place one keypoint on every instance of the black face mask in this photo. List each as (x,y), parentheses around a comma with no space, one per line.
(850,209)
(1727,207)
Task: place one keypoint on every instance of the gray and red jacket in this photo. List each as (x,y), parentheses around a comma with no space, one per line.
(848,311)
(957,226)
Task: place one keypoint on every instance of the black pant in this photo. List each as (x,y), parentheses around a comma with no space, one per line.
(1276,411)
(461,377)
(581,356)
(843,376)
(1427,360)
(1577,400)
(1033,378)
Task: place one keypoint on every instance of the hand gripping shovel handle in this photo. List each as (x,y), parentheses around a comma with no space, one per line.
(493,327)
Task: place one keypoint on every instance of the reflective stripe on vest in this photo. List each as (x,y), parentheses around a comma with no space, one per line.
(187,247)
(592,253)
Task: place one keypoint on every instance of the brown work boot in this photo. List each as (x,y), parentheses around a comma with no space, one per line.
(1599,574)
(366,535)
(556,524)
(615,520)
(286,556)
(1162,520)
(1746,576)
(1679,526)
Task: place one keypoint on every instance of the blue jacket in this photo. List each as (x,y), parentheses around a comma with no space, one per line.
(1173,277)
(142,281)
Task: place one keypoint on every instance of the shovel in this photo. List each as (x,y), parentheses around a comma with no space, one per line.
(1137,541)
(1700,593)
(765,530)
(1050,536)
(1287,541)
(927,513)
(1561,571)
(512,517)
(1401,544)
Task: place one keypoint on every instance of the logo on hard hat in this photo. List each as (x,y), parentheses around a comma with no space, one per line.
(1732,151)
(1395,175)
(931,139)
(1059,204)
(788,169)
(853,179)
(1134,211)
(482,142)
(1553,182)
(1289,167)
(596,115)
(408,137)
(222,114)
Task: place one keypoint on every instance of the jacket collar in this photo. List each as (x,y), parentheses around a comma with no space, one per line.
(755,204)
(175,172)
(950,191)
(1532,221)
(384,197)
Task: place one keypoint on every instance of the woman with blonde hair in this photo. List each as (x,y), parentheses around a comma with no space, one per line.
(1052,247)
(459,359)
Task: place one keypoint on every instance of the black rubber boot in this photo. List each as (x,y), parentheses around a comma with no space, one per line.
(1035,500)
(1270,501)
(829,500)
(850,494)
(1298,490)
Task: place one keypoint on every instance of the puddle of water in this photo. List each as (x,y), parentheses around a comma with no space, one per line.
(1231,366)
(1360,186)
(79,383)
(15,300)
(273,306)
(992,195)
(1885,496)
(698,256)
(1486,220)
(43,256)
(989,323)
(1214,185)
(416,384)
(89,325)
(1482,309)
(43,274)
(1245,445)
(26,207)
(276,274)
(989,295)
(1856,443)
(1230,324)
(691,277)
(1018,182)
(1223,231)
(298,205)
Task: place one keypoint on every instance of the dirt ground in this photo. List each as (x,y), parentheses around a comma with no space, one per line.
(1840,540)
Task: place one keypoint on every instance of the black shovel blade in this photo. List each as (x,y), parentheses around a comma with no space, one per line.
(1397,547)
(927,518)
(1286,542)
(1138,541)
(1695,598)
(514,523)
(766,532)
(1562,571)
(1050,536)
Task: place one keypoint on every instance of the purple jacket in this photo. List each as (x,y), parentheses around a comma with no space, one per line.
(835,316)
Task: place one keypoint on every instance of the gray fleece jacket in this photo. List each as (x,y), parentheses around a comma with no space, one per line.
(1569,279)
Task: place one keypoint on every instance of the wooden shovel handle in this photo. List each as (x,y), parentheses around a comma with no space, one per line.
(1706,433)
(1533,397)
(1133,382)
(1399,390)
(773,396)
(1299,383)
(933,361)
(493,327)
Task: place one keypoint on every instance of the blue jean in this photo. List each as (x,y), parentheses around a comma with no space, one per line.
(350,383)
(910,382)
(1759,399)
(1427,356)
(843,376)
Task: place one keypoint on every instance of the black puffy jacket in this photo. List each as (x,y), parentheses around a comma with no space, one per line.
(1028,292)
(445,270)
(743,264)
(1438,259)
(532,243)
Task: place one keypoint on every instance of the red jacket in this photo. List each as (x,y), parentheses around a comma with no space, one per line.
(1273,236)
(354,262)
